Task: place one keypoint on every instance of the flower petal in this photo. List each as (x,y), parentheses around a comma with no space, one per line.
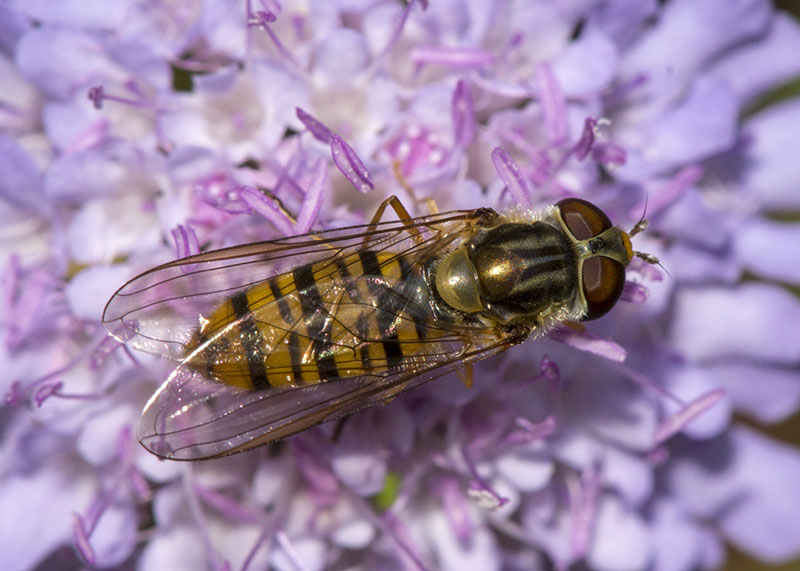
(771,170)
(768,394)
(769,250)
(621,541)
(757,67)
(753,320)
(736,480)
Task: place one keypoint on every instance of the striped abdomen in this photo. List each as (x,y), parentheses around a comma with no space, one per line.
(341,317)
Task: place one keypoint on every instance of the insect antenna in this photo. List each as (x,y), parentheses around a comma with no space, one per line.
(639,227)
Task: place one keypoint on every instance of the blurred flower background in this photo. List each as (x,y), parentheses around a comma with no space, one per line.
(133,132)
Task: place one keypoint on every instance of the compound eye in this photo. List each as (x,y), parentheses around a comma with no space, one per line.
(603,280)
(583,218)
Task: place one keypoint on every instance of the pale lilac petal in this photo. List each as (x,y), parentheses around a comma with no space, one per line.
(764,520)
(677,540)
(703,124)
(358,462)
(74,125)
(760,245)
(452,554)
(56,493)
(396,428)
(621,541)
(768,394)
(360,470)
(629,474)
(771,169)
(526,469)
(350,529)
(271,480)
(690,264)
(761,321)
(339,57)
(622,20)
(88,291)
(306,553)
(179,548)
(597,401)
(755,501)
(769,62)
(84,175)
(62,61)
(156,469)
(20,177)
(99,439)
(224,27)
(133,229)
(115,537)
(689,34)
(574,76)
(13,26)
(78,13)
(21,103)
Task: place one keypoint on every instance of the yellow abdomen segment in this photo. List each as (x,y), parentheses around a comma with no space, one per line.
(342,317)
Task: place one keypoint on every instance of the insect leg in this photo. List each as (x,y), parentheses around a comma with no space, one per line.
(467,375)
(430,203)
(402,214)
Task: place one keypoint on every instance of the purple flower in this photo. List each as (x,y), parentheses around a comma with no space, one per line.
(131,131)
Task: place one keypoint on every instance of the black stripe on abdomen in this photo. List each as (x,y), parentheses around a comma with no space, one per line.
(252,341)
(386,309)
(293,341)
(318,326)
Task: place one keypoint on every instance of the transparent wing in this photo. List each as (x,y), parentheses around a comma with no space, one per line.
(159,310)
(193,418)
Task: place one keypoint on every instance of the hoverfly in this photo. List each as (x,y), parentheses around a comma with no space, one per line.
(275,337)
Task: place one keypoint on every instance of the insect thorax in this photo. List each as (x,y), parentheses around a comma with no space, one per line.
(512,273)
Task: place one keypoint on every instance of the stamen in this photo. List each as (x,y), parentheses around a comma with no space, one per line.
(290,551)
(97,96)
(511,175)
(685,415)
(479,489)
(320,132)
(186,242)
(452,57)
(633,292)
(313,200)
(463,113)
(268,209)
(584,144)
(609,154)
(262,19)
(348,162)
(554,107)
(531,432)
(585,341)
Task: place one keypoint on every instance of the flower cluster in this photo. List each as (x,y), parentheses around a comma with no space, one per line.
(132,133)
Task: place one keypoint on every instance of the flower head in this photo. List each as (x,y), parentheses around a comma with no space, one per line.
(133,132)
